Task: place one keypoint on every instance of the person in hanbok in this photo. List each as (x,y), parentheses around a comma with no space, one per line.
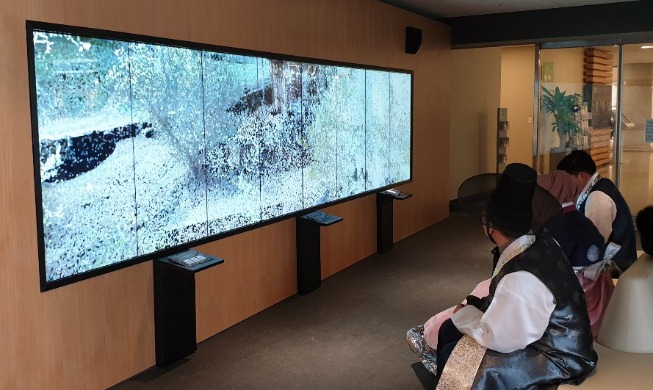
(532,330)
(600,200)
(583,244)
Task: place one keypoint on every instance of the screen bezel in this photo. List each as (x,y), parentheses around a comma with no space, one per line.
(32,26)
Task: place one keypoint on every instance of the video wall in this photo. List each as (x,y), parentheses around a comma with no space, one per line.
(146,146)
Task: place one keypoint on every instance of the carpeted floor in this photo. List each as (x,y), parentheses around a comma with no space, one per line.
(349,333)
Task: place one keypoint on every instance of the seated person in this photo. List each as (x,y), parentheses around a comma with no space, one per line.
(583,245)
(644,223)
(532,329)
(601,201)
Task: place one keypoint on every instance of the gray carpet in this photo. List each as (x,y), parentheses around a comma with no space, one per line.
(350,332)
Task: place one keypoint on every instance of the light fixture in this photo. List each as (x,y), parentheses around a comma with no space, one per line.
(647,47)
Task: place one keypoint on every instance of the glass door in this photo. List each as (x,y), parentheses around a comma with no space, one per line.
(599,99)
(636,176)
(576,100)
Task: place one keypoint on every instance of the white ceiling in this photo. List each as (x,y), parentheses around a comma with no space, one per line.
(453,8)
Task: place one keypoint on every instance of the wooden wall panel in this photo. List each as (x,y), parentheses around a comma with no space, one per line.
(258,271)
(98,332)
(346,242)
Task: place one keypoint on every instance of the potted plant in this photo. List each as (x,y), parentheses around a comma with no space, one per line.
(564,108)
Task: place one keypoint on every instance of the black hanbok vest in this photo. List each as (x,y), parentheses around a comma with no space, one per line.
(565,353)
(623,230)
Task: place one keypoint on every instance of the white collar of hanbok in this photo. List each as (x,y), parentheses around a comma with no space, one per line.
(517,247)
(588,187)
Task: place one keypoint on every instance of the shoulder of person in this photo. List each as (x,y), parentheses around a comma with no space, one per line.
(600,196)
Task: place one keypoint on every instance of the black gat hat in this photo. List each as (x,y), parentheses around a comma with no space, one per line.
(509,208)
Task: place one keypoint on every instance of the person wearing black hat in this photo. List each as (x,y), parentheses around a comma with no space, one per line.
(532,329)
(601,201)
(644,223)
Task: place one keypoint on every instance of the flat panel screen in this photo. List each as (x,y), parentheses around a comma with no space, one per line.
(145,146)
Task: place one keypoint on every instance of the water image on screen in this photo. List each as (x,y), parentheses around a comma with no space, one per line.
(142,147)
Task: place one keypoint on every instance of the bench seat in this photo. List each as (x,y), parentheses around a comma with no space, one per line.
(625,341)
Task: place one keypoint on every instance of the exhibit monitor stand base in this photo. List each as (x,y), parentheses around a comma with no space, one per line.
(309,271)
(174,305)
(385,218)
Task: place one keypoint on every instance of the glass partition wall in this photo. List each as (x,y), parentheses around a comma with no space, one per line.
(635,173)
(575,105)
(580,92)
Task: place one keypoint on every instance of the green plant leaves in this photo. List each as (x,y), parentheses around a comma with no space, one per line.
(561,105)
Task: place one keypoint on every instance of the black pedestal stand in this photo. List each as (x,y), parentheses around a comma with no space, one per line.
(384,218)
(309,273)
(174,309)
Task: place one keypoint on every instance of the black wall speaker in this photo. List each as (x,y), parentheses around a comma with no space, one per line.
(413,39)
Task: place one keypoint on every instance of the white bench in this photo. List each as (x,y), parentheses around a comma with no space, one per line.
(618,370)
(625,341)
(628,321)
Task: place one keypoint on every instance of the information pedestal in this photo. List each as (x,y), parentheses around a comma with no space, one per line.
(174,309)
(309,272)
(384,218)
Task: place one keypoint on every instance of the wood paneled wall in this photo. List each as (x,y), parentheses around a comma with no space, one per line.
(98,332)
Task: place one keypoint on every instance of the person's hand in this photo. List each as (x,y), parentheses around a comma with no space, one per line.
(474,301)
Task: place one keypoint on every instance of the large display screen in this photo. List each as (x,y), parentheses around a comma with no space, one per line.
(146,146)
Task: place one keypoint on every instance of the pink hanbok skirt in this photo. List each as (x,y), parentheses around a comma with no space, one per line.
(597,296)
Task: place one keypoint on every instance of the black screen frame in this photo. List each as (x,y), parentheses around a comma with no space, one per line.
(32,26)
